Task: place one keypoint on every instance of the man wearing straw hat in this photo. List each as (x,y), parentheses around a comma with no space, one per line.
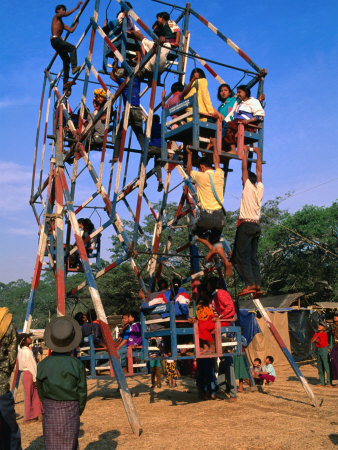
(62,387)
(9,431)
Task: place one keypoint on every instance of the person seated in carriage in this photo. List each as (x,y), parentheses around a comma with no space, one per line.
(200,87)
(248,110)
(226,108)
(97,133)
(115,26)
(166,27)
(86,228)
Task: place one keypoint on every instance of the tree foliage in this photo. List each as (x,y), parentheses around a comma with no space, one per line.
(298,253)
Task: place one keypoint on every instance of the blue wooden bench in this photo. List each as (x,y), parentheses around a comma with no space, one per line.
(177,328)
(196,132)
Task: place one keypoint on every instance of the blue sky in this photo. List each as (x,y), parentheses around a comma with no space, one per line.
(295,40)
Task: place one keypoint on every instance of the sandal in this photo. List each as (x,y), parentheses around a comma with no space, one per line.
(246,291)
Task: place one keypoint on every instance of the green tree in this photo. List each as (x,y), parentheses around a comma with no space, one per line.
(299,253)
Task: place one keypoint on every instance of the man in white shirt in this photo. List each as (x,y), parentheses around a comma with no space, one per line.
(249,230)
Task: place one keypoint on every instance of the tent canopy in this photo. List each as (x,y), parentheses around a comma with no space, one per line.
(326,305)
(277,301)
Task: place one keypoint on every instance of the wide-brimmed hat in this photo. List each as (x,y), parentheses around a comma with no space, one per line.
(63,334)
(5,321)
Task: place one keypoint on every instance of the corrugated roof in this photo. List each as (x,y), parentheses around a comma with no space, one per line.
(329,305)
(277,301)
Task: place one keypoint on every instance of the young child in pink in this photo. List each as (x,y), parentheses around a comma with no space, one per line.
(268,374)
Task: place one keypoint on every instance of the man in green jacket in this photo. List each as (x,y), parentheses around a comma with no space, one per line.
(62,386)
(9,431)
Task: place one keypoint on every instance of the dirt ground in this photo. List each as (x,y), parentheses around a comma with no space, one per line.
(280,418)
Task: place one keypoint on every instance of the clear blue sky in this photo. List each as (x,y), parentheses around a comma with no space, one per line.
(295,40)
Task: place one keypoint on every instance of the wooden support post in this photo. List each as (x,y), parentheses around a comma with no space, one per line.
(92,356)
(240,140)
(197,341)
(218,338)
(94,293)
(130,360)
(173,335)
(248,368)
(286,352)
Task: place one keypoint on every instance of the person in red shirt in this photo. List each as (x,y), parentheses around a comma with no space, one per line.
(222,303)
(321,341)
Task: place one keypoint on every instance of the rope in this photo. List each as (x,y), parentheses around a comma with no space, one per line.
(190,55)
(181,8)
(107,9)
(169,254)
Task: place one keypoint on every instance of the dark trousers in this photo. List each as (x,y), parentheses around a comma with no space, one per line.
(210,221)
(10,438)
(323,365)
(226,376)
(67,53)
(246,245)
(136,123)
(155,152)
(206,379)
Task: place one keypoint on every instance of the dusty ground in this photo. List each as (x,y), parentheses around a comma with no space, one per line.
(281,418)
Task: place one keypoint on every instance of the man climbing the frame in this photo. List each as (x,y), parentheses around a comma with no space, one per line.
(64,49)
(210,193)
(249,230)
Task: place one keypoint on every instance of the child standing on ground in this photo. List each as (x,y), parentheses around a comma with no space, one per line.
(62,386)
(171,371)
(321,341)
(155,364)
(268,374)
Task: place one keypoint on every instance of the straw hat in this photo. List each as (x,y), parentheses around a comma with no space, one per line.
(5,321)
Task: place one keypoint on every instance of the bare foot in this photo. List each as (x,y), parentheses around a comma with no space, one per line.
(227,265)
(211,254)
(205,350)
